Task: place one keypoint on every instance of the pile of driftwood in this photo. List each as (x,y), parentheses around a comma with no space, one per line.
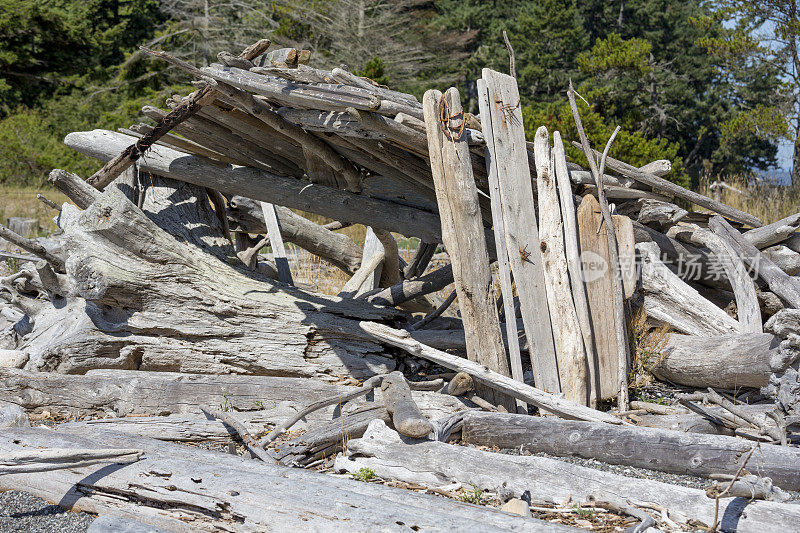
(152,317)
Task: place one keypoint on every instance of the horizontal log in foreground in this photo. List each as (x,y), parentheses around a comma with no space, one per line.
(265,187)
(656,449)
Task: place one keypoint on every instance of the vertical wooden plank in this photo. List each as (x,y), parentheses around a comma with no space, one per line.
(372,247)
(570,352)
(504,269)
(276,242)
(574,267)
(509,156)
(463,234)
(599,284)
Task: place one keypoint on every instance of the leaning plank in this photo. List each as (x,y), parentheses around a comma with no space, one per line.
(463,234)
(263,186)
(369,273)
(660,184)
(276,242)
(507,163)
(555,404)
(785,286)
(576,277)
(722,361)
(655,449)
(570,352)
(670,300)
(180,488)
(431,463)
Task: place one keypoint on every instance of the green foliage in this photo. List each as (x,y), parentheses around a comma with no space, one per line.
(364,474)
(472,496)
(375,69)
(615,55)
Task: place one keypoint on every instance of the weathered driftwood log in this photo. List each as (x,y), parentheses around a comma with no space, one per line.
(463,235)
(412,288)
(774,233)
(140,294)
(435,463)
(722,361)
(660,184)
(784,258)
(262,186)
(785,286)
(42,460)
(655,449)
(406,416)
(480,373)
(182,489)
(671,301)
(661,214)
(569,343)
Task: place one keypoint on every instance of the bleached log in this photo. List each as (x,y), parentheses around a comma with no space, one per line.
(784,258)
(660,167)
(654,449)
(661,213)
(669,300)
(569,343)
(774,233)
(42,460)
(623,193)
(262,186)
(560,406)
(463,236)
(785,286)
(721,361)
(406,416)
(183,489)
(435,463)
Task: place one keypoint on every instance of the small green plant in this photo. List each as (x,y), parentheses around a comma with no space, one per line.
(580,511)
(472,496)
(225,406)
(260,404)
(364,474)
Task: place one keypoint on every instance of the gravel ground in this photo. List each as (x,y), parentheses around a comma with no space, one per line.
(20,511)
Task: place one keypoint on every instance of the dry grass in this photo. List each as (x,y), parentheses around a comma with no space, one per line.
(22,202)
(768,202)
(648,349)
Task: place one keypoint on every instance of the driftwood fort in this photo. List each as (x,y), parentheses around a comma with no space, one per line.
(154,319)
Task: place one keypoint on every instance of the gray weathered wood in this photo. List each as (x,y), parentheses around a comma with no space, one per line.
(433,463)
(544,400)
(773,233)
(463,236)
(671,301)
(507,161)
(42,460)
(654,449)
(785,286)
(721,361)
(660,184)
(184,489)
(262,186)
(570,351)
(576,277)
(784,258)
(406,416)
(276,242)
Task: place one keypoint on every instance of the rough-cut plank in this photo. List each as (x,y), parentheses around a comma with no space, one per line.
(263,186)
(463,235)
(184,489)
(570,352)
(276,242)
(576,277)
(670,300)
(507,162)
(722,361)
(598,279)
(655,449)
(550,402)
(785,286)
(436,463)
